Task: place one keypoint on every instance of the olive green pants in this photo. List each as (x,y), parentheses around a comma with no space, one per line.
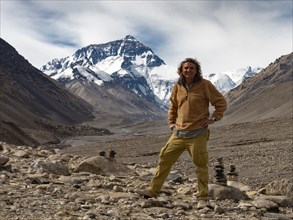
(197,148)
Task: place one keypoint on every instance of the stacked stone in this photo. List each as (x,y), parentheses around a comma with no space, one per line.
(102,153)
(220,177)
(232,175)
(112,154)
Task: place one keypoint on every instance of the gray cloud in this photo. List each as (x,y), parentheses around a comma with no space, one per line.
(223,35)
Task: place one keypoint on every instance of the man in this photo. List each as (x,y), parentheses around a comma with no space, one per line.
(189,119)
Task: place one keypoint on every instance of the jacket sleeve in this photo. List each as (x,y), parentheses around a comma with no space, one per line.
(217,100)
(172,113)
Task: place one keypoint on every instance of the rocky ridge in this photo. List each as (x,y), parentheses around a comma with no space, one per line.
(48,184)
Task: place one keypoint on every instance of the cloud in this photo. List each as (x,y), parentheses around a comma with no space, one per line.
(223,35)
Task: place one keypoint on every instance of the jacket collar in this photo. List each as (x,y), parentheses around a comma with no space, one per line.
(195,80)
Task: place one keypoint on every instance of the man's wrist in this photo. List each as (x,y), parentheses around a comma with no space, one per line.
(214,119)
(172,126)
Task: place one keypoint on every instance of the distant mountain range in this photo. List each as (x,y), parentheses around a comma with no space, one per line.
(132,66)
(120,82)
(225,81)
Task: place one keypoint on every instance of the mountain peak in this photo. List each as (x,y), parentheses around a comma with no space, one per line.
(125,63)
(127,51)
(129,38)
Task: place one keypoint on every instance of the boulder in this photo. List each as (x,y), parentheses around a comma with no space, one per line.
(282,201)
(266,204)
(226,192)
(280,187)
(51,167)
(102,165)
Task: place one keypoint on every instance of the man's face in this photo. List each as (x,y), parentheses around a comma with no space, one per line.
(189,71)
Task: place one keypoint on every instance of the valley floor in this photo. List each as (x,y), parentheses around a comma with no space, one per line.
(261,151)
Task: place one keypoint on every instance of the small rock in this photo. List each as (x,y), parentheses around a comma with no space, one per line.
(117,189)
(21,154)
(3,160)
(219,209)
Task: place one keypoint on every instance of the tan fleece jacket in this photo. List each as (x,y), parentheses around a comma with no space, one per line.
(189,107)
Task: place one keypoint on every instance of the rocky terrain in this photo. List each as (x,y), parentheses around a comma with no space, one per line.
(53,182)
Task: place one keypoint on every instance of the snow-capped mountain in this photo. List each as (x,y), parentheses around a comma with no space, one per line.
(126,62)
(222,81)
(132,66)
(239,75)
(228,80)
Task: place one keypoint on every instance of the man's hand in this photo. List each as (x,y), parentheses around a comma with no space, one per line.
(206,122)
(172,126)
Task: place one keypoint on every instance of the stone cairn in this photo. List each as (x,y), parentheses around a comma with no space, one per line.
(102,153)
(220,177)
(112,154)
(232,175)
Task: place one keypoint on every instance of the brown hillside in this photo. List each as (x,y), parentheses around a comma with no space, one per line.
(115,101)
(268,94)
(29,98)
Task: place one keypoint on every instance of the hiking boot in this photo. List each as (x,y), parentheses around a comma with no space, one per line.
(202,204)
(146,194)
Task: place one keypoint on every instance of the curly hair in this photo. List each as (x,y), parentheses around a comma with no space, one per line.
(198,76)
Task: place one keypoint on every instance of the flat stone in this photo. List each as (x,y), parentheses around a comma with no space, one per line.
(280,187)
(282,201)
(266,204)
(239,185)
(50,167)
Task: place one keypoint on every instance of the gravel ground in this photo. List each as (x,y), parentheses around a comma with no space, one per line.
(261,152)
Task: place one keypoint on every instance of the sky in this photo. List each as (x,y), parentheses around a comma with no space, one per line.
(221,35)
